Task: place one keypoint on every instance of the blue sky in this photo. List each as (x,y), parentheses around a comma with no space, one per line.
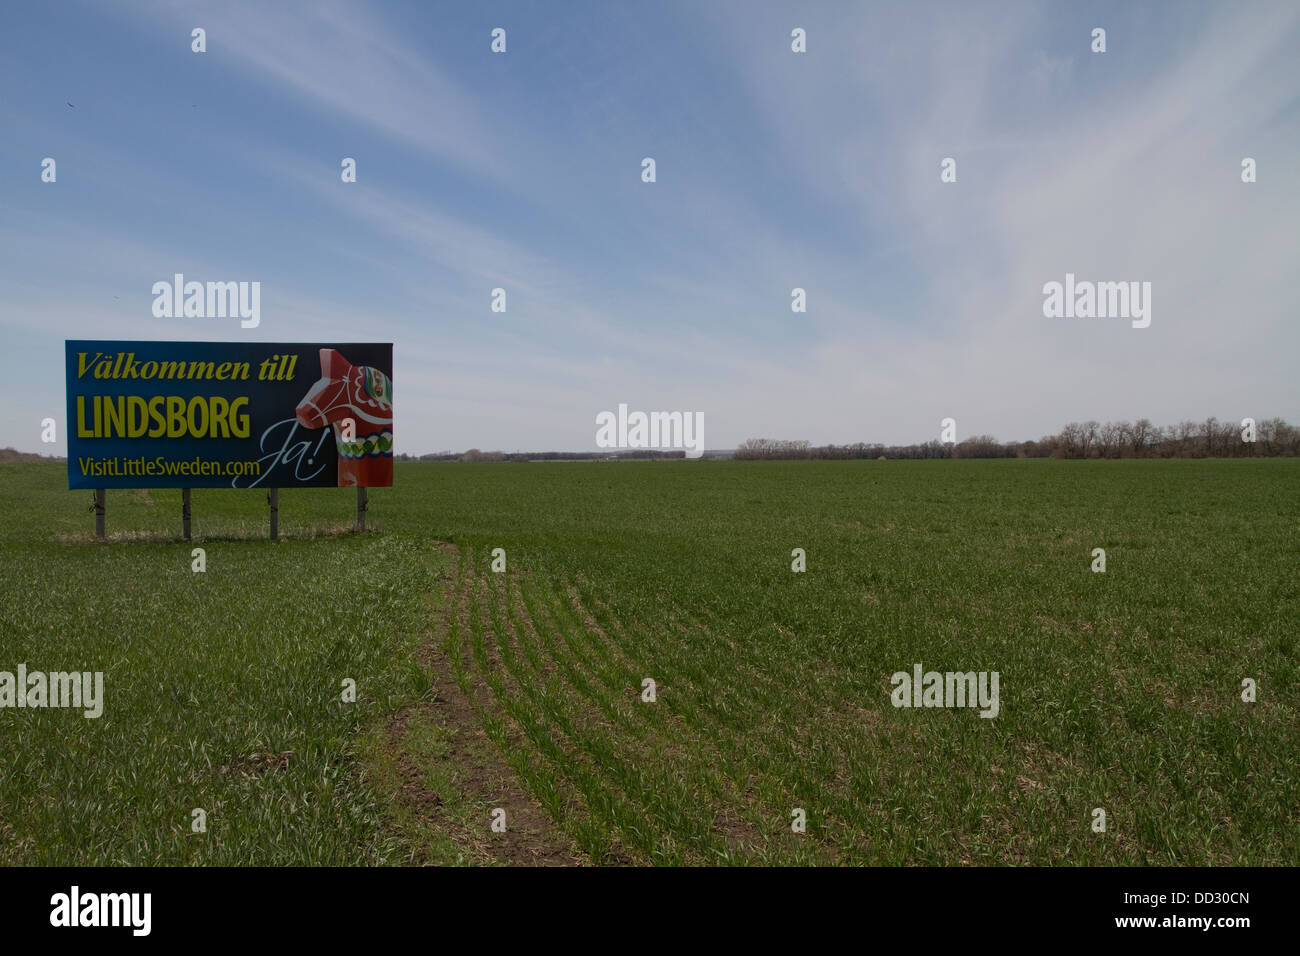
(775,170)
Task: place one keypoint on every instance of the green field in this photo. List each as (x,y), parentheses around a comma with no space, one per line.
(522,690)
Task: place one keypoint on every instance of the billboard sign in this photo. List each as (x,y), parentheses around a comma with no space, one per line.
(229,414)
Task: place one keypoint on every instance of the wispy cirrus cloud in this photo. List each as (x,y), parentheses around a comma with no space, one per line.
(776,170)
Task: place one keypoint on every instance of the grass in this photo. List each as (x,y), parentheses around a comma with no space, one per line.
(222,689)
(1119,690)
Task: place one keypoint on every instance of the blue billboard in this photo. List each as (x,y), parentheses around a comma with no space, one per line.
(229,414)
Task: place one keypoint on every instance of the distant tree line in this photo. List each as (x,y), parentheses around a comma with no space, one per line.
(12,454)
(1141,439)
(475,455)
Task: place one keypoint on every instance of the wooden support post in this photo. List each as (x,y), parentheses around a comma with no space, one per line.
(185,513)
(274,498)
(361,508)
(99,512)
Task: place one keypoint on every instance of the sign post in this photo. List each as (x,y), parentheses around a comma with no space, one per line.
(185,513)
(361,508)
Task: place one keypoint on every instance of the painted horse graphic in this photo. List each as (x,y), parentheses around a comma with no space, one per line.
(364,395)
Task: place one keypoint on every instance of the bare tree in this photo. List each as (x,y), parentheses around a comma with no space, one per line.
(1088,437)
(1138,434)
(1110,438)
